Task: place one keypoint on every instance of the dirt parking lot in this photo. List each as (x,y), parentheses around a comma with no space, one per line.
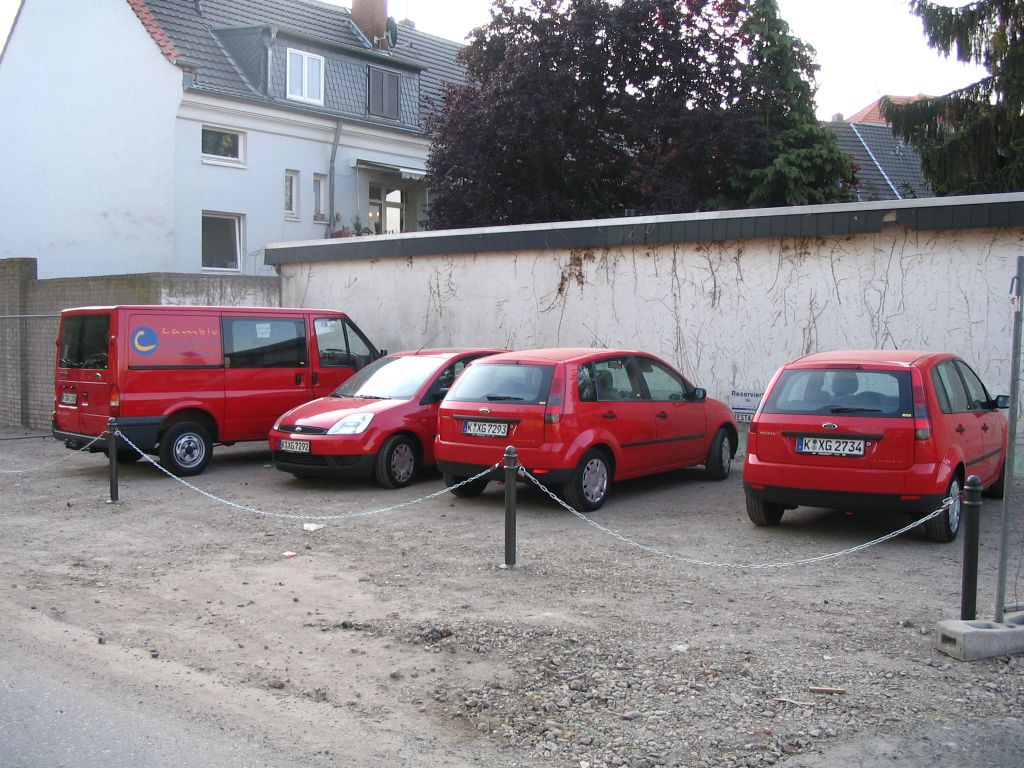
(395,638)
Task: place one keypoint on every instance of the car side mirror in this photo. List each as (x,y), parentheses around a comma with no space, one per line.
(1002,401)
(699,394)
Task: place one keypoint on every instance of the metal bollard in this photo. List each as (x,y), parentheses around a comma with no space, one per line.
(511,469)
(971,518)
(112,456)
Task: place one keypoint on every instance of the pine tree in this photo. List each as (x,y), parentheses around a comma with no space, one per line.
(971,140)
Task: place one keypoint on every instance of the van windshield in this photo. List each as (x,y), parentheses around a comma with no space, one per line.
(499,382)
(840,391)
(84,341)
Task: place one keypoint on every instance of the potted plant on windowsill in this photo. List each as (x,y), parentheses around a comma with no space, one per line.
(343,231)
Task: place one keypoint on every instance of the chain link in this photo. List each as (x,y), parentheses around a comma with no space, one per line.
(286,516)
(61,460)
(748,566)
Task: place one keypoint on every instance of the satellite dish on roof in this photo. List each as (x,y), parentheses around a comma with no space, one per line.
(392,32)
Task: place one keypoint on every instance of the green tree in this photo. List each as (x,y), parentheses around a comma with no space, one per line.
(971,140)
(776,85)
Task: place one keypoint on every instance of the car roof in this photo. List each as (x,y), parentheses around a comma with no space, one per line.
(559,355)
(893,357)
(444,353)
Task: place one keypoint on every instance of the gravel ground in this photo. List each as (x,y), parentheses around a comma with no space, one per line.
(395,638)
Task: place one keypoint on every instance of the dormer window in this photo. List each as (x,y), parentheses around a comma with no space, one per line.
(305,77)
(383,92)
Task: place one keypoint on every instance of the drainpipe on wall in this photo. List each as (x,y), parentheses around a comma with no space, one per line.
(330,194)
(269,38)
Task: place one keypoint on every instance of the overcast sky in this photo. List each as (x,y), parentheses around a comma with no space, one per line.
(865,48)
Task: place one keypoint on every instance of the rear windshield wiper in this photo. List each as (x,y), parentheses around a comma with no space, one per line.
(504,397)
(853,409)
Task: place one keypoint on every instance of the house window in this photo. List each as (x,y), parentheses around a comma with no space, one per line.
(291,194)
(387,210)
(222,238)
(305,77)
(383,93)
(223,146)
(319,197)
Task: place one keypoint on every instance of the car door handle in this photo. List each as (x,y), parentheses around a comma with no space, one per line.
(316,378)
(298,378)
(663,415)
(960,429)
(609,415)
(984,427)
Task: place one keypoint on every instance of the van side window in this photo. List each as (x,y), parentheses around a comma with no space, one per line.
(331,344)
(264,342)
(358,346)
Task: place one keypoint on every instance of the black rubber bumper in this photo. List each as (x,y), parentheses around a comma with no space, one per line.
(315,465)
(845,500)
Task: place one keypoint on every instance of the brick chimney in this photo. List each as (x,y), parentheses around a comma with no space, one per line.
(371,16)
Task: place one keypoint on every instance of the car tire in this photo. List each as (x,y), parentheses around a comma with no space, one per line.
(995,491)
(944,527)
(588,487)
(397,462)
(719,460)
(467,491)
(763,512)
(185,449)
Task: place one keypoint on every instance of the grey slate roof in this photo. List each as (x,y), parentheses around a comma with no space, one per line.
(225,44)
(887,169)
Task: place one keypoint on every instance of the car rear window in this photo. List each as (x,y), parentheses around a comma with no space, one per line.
(503,382)
(841,390)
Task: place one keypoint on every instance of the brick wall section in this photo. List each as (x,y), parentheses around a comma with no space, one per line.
(30,310)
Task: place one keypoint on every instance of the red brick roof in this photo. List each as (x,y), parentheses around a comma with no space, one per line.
(872,113)
(155,30)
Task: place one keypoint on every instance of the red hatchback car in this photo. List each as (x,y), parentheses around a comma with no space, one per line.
(579,418)
(874,430)
(380,422)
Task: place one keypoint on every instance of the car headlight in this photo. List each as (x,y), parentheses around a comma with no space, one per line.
(351,425)
(277,424)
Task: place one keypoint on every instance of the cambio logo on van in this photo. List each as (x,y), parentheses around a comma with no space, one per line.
(144,340)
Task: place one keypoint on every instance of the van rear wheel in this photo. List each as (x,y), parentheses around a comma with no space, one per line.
(185,449)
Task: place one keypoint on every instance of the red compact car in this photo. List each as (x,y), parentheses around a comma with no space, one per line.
(579,418)
(380,422)
(876,429)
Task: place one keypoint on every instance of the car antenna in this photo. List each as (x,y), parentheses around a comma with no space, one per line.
(427,342)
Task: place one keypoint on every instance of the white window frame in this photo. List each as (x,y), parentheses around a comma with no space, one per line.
(238,220)
(320,197)
(225,160)
(291,180)
(306,59)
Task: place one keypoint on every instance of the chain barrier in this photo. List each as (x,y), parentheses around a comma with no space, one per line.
(61,460)
(287,516)
(739,566)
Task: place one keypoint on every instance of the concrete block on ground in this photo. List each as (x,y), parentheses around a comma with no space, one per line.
(973,640)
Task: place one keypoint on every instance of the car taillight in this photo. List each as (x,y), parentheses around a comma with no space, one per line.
(556,397)
(115,401)
(922,422)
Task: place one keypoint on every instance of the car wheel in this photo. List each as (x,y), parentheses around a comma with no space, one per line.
(719,460)
(185,449)
(945,526)
(763,512)
(468,490)
(397,462)
(588,488)
(995,491)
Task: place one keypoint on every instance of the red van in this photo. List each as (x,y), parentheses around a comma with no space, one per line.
(179,379)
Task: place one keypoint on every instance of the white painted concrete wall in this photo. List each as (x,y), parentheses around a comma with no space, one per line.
(88,107)
(728,314)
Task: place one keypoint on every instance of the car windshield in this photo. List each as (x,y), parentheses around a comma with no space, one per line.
(503,383)
(389,378)
(841,391)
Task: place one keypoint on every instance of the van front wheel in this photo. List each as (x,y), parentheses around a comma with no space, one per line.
(185,449)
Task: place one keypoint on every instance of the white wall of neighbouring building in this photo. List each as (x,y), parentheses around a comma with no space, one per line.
(86,140)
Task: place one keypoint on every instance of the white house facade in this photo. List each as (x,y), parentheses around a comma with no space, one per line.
(185,135)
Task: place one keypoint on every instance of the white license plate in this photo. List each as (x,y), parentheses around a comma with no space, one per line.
(830,446)
(69,398)
(485,428)
(295,446)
